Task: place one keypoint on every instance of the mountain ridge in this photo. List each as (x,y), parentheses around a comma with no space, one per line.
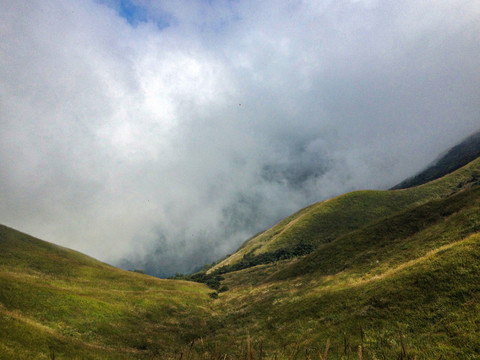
(322,222)
(394,274)
(454,158)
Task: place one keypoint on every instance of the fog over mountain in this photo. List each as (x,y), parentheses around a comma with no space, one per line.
(161,134)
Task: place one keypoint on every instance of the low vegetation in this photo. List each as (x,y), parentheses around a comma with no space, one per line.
(367,275)
(55,298)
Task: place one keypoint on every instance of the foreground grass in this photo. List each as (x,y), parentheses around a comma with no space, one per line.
(427,308)
(55,298)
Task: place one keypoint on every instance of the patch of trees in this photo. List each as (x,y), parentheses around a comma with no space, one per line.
(214,279)
(250,260)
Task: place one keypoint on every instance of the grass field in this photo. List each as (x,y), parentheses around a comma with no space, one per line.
(418,282)
(392,275)
(55,298)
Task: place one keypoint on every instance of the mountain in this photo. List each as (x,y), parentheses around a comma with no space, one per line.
(403,285)
(458,156)
(325,221)
(366,275)
(56,299)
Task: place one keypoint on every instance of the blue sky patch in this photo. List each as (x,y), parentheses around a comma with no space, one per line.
(135,13)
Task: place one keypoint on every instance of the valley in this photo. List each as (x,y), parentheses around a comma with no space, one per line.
(387,275)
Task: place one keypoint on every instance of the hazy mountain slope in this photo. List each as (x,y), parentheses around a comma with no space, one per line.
(458,156)
(325,221)
(411,278)
(52,297)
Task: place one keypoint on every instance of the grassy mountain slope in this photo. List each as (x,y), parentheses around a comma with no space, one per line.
(325,221)
(395,239)
(458,156)
(431,302)
(397,278)
(52,298)
(412,277)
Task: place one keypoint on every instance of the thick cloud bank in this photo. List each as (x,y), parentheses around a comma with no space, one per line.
(161,134)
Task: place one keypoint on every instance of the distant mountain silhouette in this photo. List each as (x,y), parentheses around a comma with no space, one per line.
(458,156)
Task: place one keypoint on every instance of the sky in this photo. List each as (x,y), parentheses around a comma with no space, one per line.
(159,135)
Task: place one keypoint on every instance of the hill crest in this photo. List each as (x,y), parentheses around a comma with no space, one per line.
(453,159)
(322,222)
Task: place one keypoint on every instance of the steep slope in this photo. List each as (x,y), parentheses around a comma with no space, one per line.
(56,299)
(458,156)
(325,221)
(394,240)
(405,286)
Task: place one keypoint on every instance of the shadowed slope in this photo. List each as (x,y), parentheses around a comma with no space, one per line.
(458,156)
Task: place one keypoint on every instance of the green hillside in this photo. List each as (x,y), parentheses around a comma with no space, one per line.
(395,239)
(389,275)
(55,299)
(413,277)
(325,221)
(430,303)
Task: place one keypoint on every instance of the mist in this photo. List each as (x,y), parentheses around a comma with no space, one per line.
(160,135)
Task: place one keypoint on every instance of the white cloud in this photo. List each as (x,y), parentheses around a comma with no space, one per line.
(169,145)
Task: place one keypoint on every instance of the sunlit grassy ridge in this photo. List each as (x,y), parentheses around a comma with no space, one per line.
(323,222)
(52,297)
(395,239)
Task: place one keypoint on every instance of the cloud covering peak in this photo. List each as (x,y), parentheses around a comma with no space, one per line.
(160,135)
